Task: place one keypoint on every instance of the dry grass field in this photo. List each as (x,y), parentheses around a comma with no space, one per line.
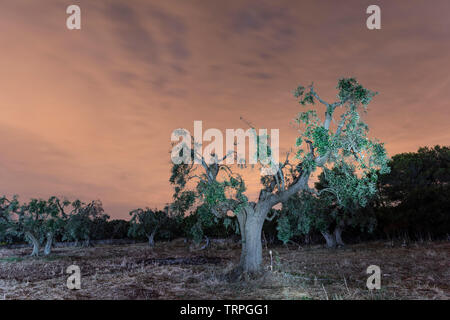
(172,271)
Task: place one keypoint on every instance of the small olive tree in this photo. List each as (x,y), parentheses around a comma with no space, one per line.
(54,221)
(83,220)
(37,221)
(146,223)
(7,224)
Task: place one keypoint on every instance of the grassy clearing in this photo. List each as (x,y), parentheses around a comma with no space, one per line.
(414,271)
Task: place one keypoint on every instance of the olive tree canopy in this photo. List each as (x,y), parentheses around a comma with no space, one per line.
(341,136)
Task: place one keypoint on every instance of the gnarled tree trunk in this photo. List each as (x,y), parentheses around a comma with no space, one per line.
(36,244)
(251,256)
(251,220)
(338,236)
(329,238)
(250,225)
(151,239)
(48,244)
(206,245)
(87,243)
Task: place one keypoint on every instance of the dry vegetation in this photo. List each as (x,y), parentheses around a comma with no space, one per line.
(171,271)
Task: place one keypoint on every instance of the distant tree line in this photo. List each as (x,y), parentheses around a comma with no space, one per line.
(413,200)
(42,222)
(415,197)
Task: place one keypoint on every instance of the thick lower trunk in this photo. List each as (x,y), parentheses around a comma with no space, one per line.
(35,242)
(338,236)
(329,238)
(241,220)
(206,245)
(48,244)
(151,239)
(251,254)
(87,243)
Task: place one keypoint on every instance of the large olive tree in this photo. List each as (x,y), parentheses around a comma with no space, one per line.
(320,143)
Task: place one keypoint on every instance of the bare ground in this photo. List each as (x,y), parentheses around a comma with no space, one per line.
(172,271)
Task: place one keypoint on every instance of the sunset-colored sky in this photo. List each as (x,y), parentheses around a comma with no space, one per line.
(89,113)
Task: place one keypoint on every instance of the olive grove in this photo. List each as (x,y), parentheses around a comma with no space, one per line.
(40,221)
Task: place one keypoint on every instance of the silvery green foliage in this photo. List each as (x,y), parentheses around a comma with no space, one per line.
(39,217)
(83,220)
(342,187)
(37,221)
(299,216)
(350,162)
(212,185)
(319,145)
(338,200)
(349,142)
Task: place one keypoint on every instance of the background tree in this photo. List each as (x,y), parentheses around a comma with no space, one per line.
(37,221)
(335,203)
(8,209)
(197,222)
(318,145)
(202,224)
(54,221)
(118,229)
(416,194)
(40,221)
(146,223)
(83,221)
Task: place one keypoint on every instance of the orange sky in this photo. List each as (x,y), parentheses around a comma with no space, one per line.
(88,114)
